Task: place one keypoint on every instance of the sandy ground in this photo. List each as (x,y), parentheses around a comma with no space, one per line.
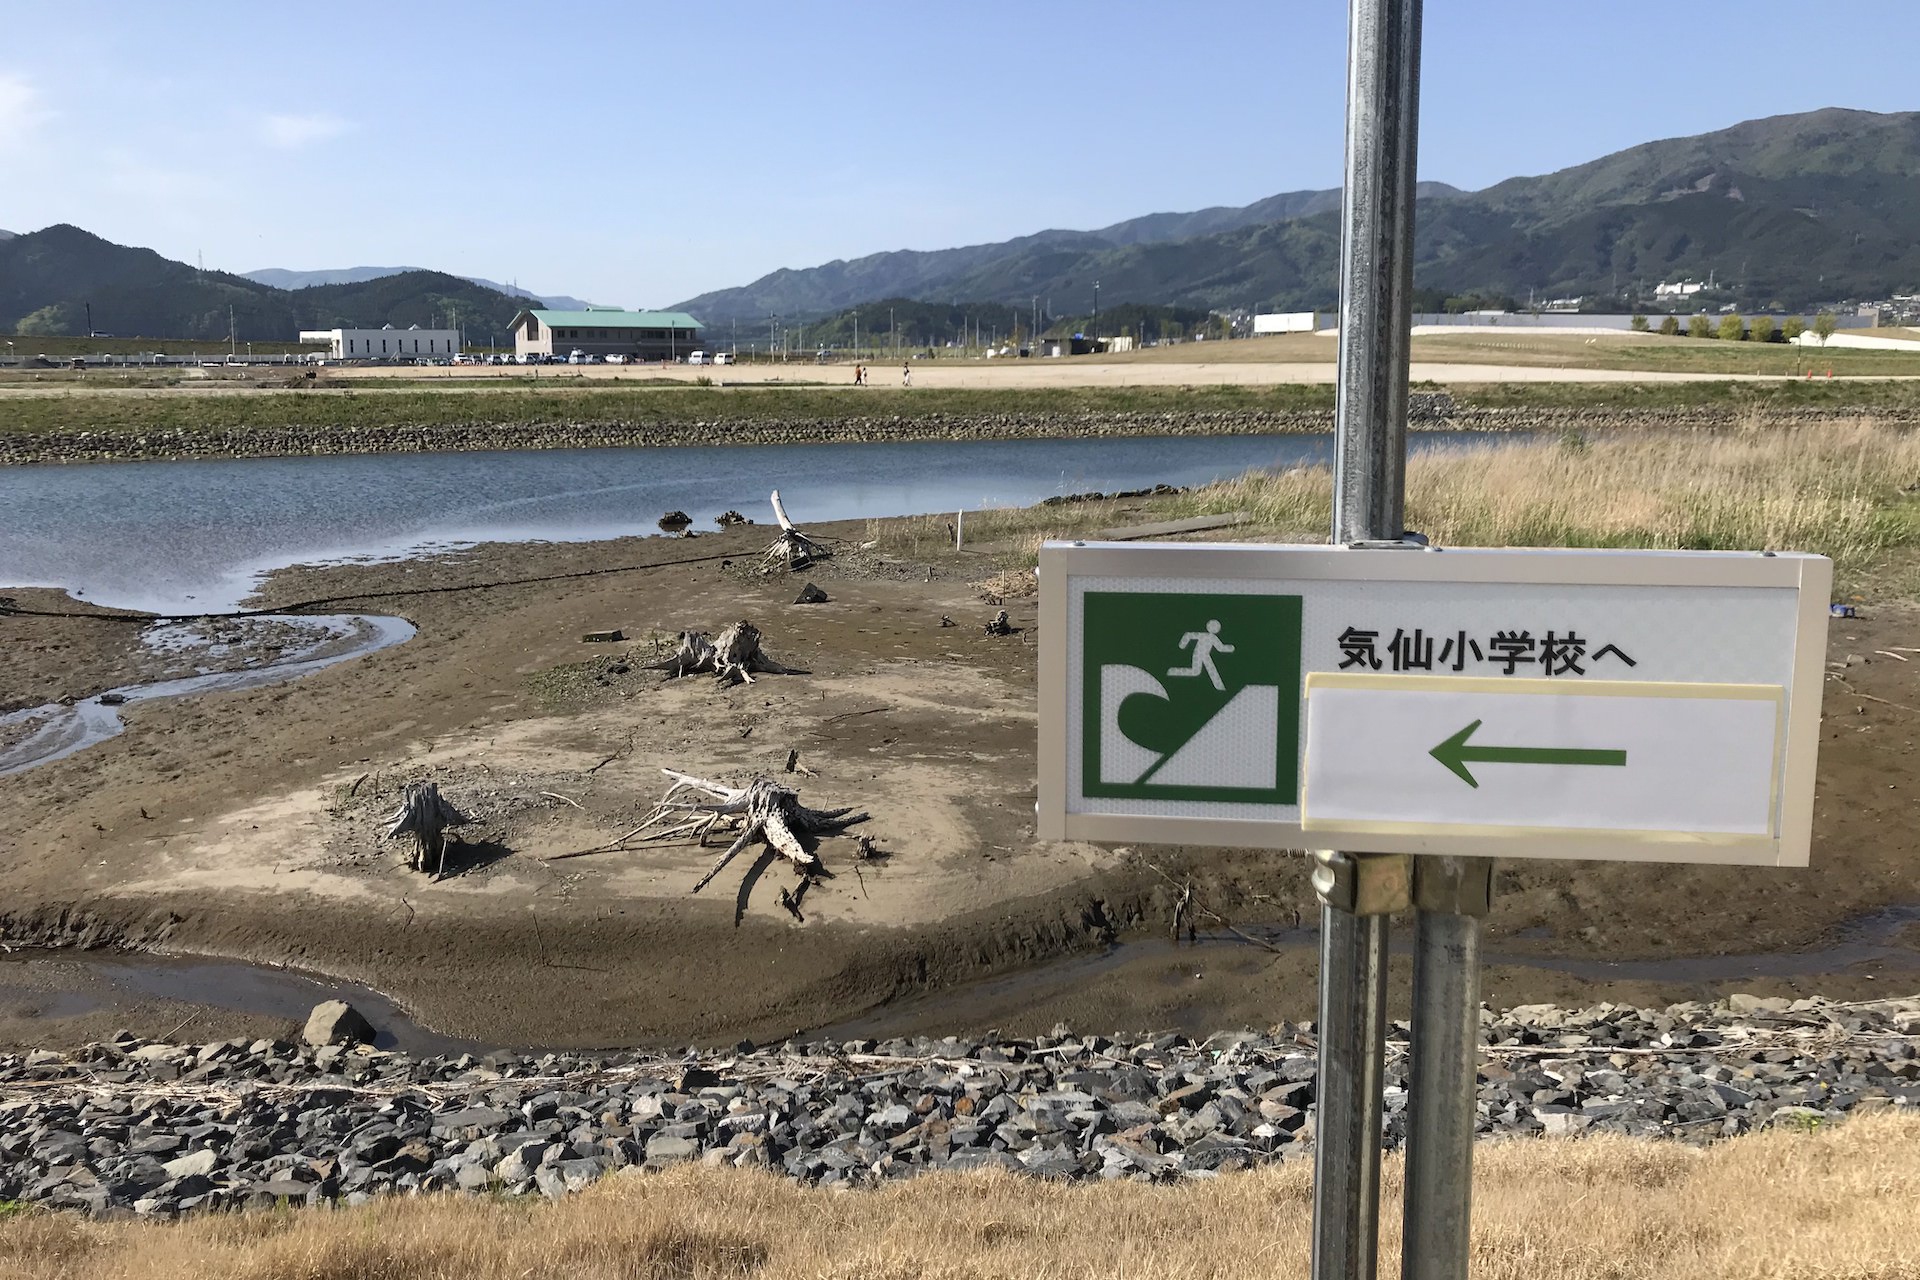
(247,824)
(975,374)
(1025,374)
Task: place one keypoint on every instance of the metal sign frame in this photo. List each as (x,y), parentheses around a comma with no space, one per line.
(1808,575)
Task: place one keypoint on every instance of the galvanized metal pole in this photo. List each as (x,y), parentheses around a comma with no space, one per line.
(1452,894)
(1376,269)
(1352,1065)
(1376,286)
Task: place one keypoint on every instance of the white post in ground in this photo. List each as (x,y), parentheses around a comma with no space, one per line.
(1359,892)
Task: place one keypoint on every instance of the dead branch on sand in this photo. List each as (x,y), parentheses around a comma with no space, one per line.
(732,659)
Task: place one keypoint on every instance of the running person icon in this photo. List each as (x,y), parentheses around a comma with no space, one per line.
(1205,645)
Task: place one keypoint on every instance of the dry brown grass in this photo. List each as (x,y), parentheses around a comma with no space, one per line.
(1841,491)
(1839,1202)
(1850,491)
(1008,584)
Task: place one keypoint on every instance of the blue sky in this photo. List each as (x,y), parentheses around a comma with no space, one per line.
(639,154)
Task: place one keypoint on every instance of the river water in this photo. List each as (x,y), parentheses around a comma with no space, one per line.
(197,536)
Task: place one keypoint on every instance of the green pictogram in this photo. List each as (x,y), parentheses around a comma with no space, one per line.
(1191,697)
(1457,755)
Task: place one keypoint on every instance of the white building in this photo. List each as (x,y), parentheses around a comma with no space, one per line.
(386,344)
(1286,322)
(1677,289)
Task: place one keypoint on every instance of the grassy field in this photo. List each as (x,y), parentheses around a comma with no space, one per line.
(601,403)
(1837,1202)
(83,406)
(1847,491)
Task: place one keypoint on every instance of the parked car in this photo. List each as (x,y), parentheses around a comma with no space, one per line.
(696,357)
(576,356)
(723,357)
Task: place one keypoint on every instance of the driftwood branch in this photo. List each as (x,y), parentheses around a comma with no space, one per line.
(793,549)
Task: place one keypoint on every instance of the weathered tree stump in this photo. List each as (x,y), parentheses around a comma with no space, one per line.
(425,815)
(792,549)
(733,658)
(999,626)
(675,522)
(730,518)
(762,811)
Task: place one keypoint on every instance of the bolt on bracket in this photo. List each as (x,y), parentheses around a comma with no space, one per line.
(1363,884)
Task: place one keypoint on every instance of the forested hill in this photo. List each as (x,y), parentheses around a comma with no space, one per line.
(48,278)
(1794,210)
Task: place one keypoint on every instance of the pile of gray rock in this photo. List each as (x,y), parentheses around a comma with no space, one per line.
(160,1129)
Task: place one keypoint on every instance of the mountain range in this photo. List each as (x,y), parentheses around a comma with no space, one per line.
(50,278)
(281,278)
(1795,210)
(1789,211)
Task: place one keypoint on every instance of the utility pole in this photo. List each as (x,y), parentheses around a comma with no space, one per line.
(893,334)
(1358,891)
(233,347)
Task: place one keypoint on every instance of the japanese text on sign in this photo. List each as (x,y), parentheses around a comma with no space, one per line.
(1511,652)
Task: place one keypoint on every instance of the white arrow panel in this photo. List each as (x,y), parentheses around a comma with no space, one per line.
(1701,759)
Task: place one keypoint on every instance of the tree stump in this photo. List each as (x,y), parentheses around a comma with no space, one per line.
(761,811)
(792,549)
(425,815)
(733,658)
(675,522)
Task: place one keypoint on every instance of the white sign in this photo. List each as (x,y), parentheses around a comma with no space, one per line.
(1654,706)
(1681,763)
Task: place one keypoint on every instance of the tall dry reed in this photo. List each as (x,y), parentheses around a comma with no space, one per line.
(1841,491)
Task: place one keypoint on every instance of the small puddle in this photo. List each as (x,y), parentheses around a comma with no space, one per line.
(110,980)
(54,731)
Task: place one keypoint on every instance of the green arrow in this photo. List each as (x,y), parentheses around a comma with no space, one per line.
(1456,754)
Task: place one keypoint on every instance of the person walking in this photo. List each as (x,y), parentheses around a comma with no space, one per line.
(906,374)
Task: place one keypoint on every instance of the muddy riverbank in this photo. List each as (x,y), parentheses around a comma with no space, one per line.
(245,824)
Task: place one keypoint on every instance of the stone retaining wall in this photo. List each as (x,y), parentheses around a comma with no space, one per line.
(1429,413)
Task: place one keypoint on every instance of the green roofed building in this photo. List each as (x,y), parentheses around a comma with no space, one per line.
(605,331)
